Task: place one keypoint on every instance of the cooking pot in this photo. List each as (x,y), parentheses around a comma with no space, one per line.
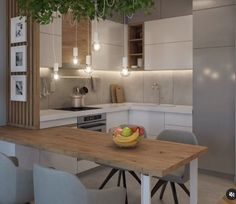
(77,101)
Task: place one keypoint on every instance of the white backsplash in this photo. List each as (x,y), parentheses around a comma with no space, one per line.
(175,87)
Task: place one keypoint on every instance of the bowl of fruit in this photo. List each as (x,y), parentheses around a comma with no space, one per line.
(127,137)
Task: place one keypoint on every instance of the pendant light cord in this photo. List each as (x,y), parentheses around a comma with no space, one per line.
(53,42)
(124,35)
(89,37)
(132,15)
(76,34)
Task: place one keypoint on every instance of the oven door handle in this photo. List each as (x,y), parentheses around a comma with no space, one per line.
(94,125)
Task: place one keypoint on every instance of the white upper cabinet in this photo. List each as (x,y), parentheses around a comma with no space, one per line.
(168,43)
(51,35)
(111,38)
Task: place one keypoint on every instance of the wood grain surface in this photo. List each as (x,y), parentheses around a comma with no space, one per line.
(151,157)
(24,114)
(120,95)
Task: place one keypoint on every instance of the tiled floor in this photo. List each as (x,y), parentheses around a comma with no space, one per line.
(211,189)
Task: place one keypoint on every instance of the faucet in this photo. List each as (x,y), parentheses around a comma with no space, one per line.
(156,86)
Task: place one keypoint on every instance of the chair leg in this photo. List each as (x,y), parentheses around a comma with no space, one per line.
(174,192)
(157,186)
(124,185)
(163,190)
(135,176)
(112,172)
(119,178)
(184,188)
(124,179)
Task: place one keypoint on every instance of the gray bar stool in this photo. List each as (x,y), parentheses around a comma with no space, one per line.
(16,185)
(180,176)
(53,186)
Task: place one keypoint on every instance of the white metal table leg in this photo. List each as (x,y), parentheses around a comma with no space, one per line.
(194,181)
(145,189)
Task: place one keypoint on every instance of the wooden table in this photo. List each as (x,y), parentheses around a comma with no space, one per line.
(150,158)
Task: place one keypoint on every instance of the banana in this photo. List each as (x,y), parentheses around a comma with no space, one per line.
(129,144)
(121,139)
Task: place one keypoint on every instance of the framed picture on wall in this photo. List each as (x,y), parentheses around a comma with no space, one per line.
(18,29)
(19,59)
(19,88)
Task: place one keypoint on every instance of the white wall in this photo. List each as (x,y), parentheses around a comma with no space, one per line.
(2,62)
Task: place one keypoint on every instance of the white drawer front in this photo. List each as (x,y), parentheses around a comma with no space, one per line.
(184,120)
(173,127)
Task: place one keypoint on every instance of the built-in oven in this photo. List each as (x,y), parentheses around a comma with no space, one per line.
(96,122)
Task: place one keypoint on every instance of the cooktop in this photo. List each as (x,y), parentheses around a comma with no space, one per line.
(77,109)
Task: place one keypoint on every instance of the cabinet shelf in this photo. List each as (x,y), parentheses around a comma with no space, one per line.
(136,54)
(136,46)
(136,40)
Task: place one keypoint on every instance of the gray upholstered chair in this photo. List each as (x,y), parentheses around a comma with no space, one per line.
(53,186)
(121,171)
(180,176)
(16,185)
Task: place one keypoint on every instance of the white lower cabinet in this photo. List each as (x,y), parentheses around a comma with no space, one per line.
(115,119)
(153,122)
(178,121)
(84,165)
(60,162)
(27,156)
(156,122)
(7,148)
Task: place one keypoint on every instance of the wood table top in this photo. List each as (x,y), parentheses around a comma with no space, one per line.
(151,157)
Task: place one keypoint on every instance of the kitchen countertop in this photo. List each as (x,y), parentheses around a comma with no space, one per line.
(50,114)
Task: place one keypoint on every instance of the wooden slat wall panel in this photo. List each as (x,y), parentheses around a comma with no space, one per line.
(25,114)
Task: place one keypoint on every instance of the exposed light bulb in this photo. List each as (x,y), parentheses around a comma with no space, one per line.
(75,55)
(125,72)
(55,70)
(88,70)
(56,76)
(75,60)
(96,44)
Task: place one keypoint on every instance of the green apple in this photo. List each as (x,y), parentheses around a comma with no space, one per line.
(126,132)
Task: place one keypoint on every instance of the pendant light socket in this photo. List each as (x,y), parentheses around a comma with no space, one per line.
(96,43)
(88,59)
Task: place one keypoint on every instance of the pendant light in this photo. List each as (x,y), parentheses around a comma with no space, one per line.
(55,71)
(125,71)
(88,69)
(96,43)
(75,49)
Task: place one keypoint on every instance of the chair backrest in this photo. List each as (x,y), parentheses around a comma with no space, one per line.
(133,125)
(178,136)
(52,186)
(8,180)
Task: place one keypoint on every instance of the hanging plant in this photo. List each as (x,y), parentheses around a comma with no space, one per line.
(42,11)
